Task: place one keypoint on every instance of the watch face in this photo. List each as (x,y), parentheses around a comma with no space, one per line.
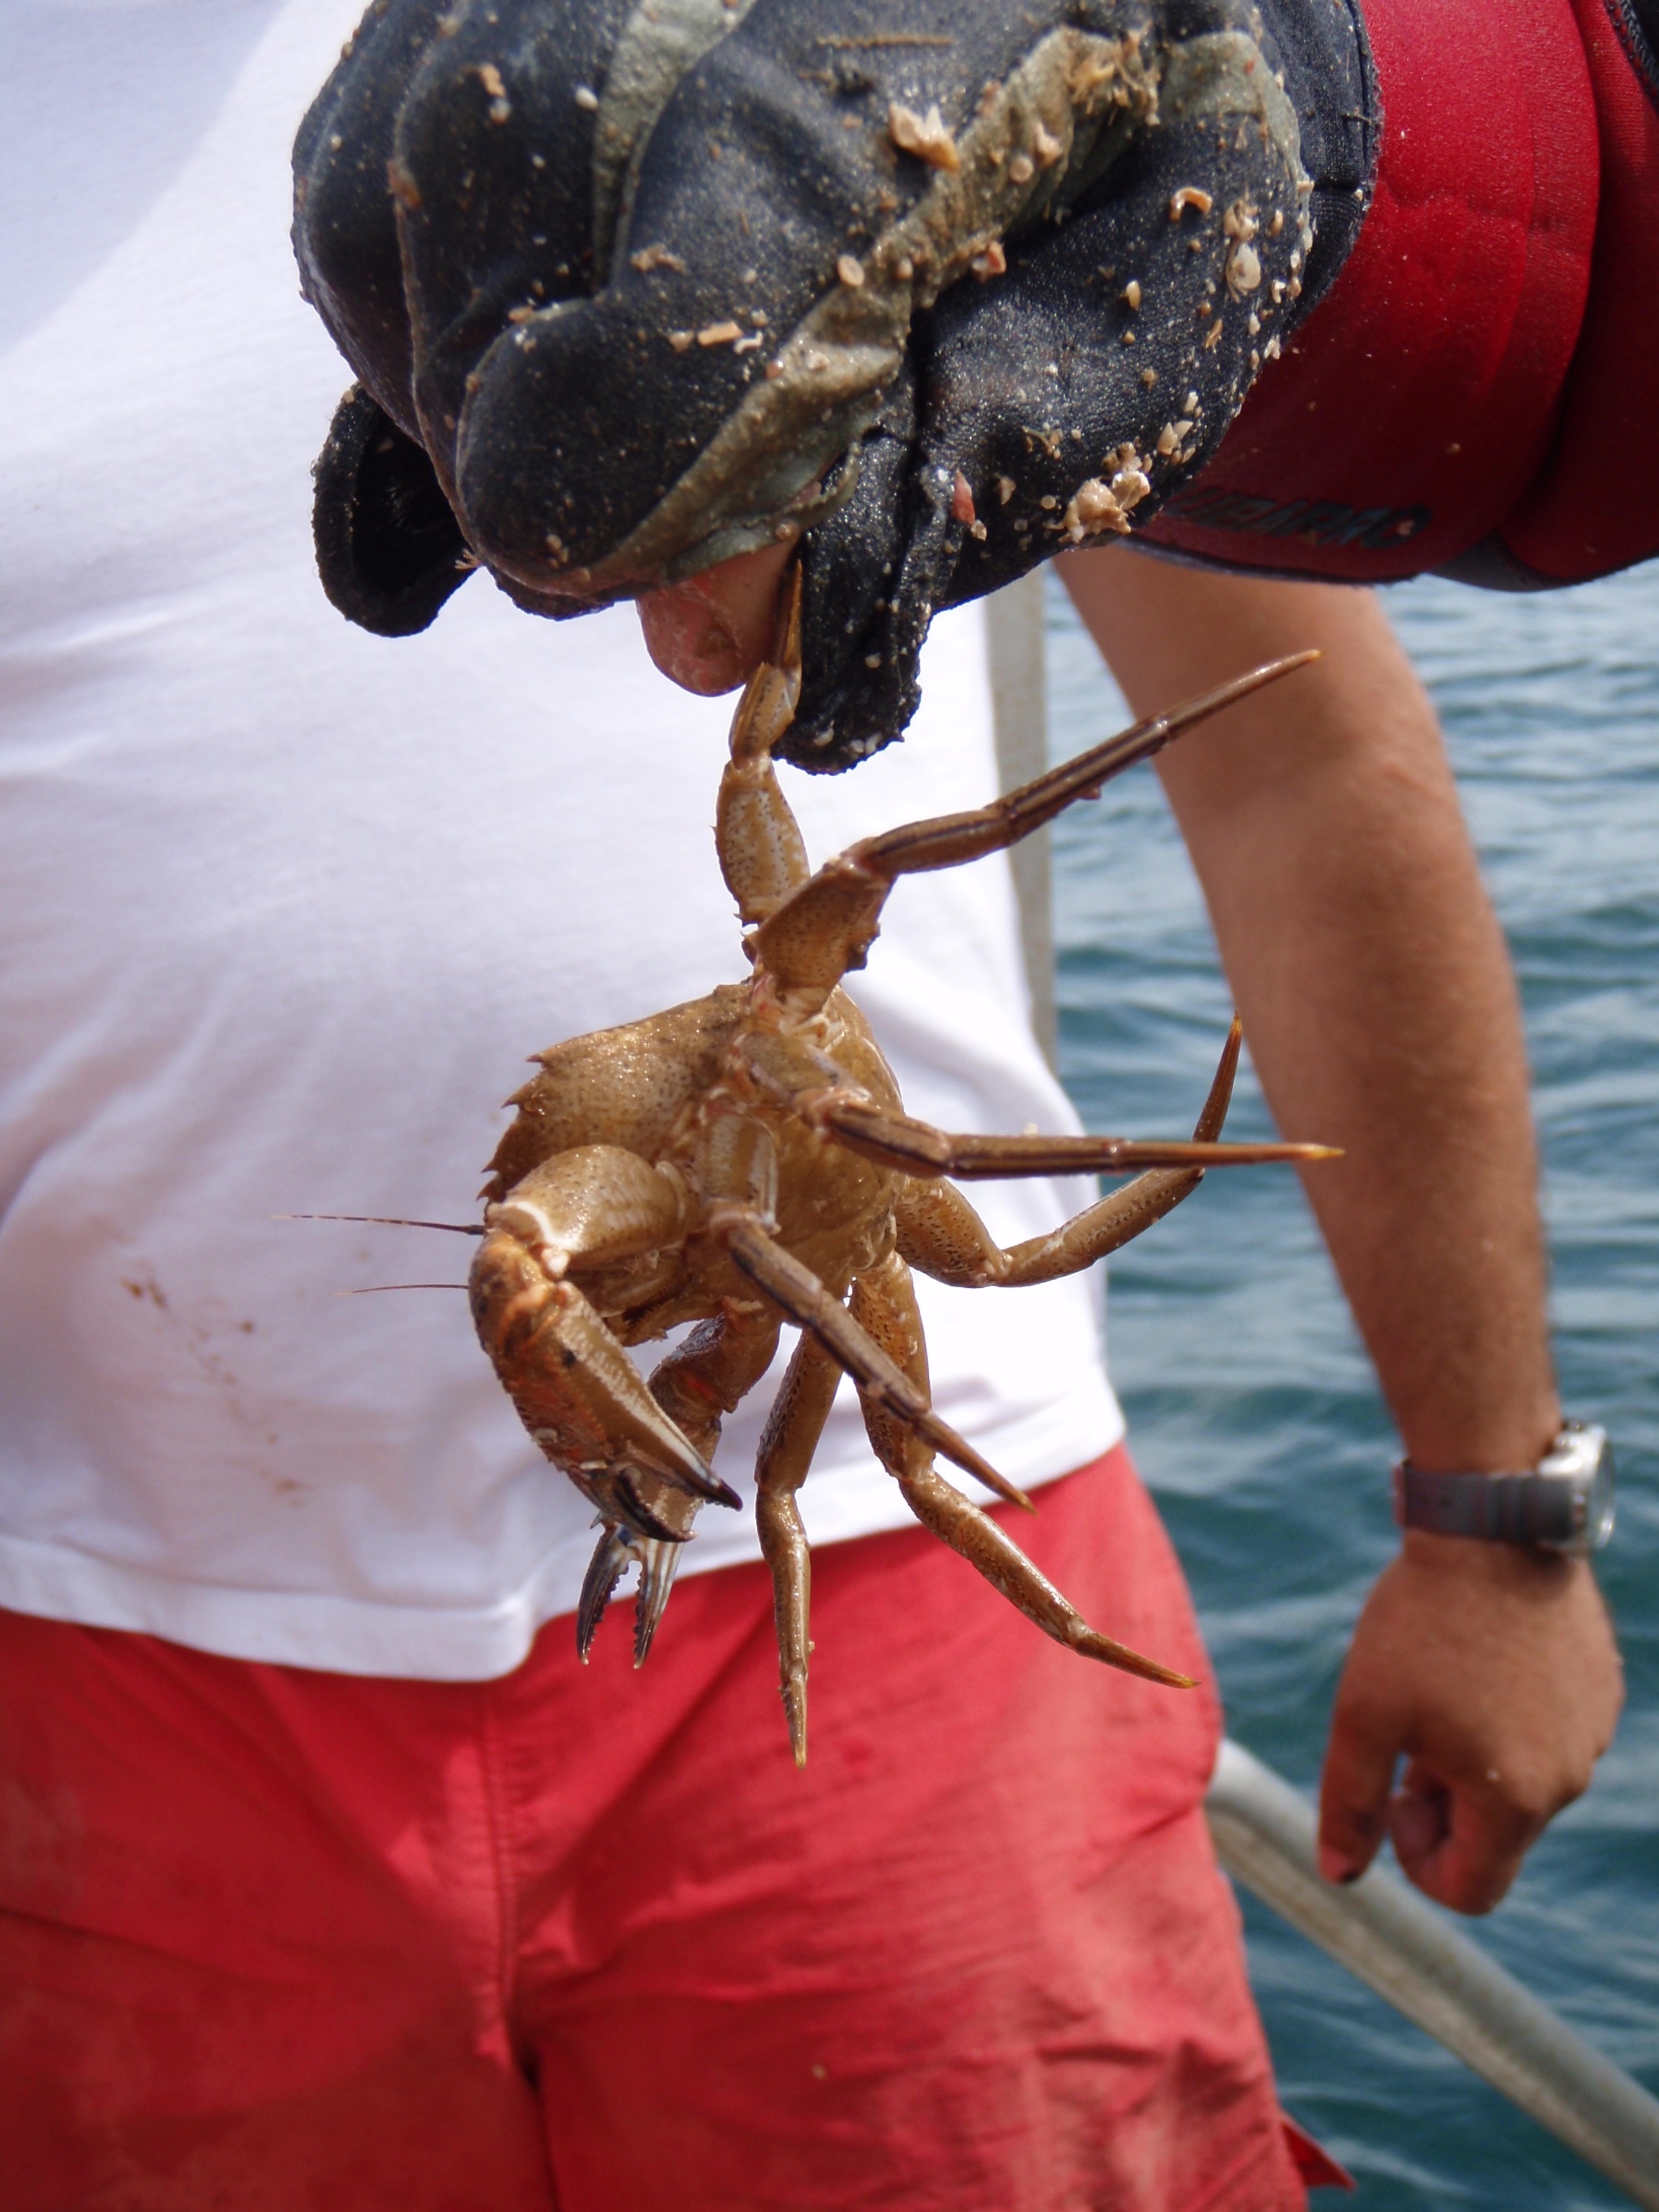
(1599,1504)
(1582,1457)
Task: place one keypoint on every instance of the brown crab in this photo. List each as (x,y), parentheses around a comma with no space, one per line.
(744,1162)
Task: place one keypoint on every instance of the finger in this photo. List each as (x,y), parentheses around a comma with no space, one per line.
(709,632)
(1461,1849)
(1419,1815)
(1353,1796)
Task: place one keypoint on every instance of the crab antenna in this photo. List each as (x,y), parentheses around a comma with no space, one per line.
(385,1221)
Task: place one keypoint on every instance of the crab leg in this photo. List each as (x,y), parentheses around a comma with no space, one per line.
(826,927)
(709,1375)
(800,1077)
(886,1301)
(793,1429)
(761,854)
(916,1148)
(807,1302)
(883,1304)
(940,1233)
(941,1506)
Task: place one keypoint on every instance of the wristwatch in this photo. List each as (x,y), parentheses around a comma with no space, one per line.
(1563,1505)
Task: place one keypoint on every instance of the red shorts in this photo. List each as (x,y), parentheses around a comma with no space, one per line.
(278,1941)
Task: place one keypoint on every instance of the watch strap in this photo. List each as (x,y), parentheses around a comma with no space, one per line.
(1504,1509)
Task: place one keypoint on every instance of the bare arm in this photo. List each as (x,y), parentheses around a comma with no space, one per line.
(1381,1014)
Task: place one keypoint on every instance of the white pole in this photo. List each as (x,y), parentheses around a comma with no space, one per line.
(1020,707)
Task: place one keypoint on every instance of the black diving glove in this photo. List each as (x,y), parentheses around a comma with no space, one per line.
(941,287)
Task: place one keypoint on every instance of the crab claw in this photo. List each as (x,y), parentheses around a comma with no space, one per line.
(604,1571)
(658,1563)
(621,1499)
(657,1557)
(576,1389)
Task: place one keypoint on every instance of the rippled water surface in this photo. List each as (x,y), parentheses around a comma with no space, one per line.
(1254,1412)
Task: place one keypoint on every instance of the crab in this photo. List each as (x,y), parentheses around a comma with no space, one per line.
(743,1164)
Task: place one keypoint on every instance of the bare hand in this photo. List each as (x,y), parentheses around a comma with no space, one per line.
(1493,1672)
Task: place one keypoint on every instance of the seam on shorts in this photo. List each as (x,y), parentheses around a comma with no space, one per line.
(504,1864)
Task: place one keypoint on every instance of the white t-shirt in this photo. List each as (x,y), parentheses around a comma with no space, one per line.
(285,906)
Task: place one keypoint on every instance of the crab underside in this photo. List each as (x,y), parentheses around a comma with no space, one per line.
(743,1164)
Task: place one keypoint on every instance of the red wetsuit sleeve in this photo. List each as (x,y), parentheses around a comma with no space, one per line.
(1417,405)
(1585,515)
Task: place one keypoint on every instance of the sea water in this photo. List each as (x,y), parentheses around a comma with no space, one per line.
(1252,1408)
